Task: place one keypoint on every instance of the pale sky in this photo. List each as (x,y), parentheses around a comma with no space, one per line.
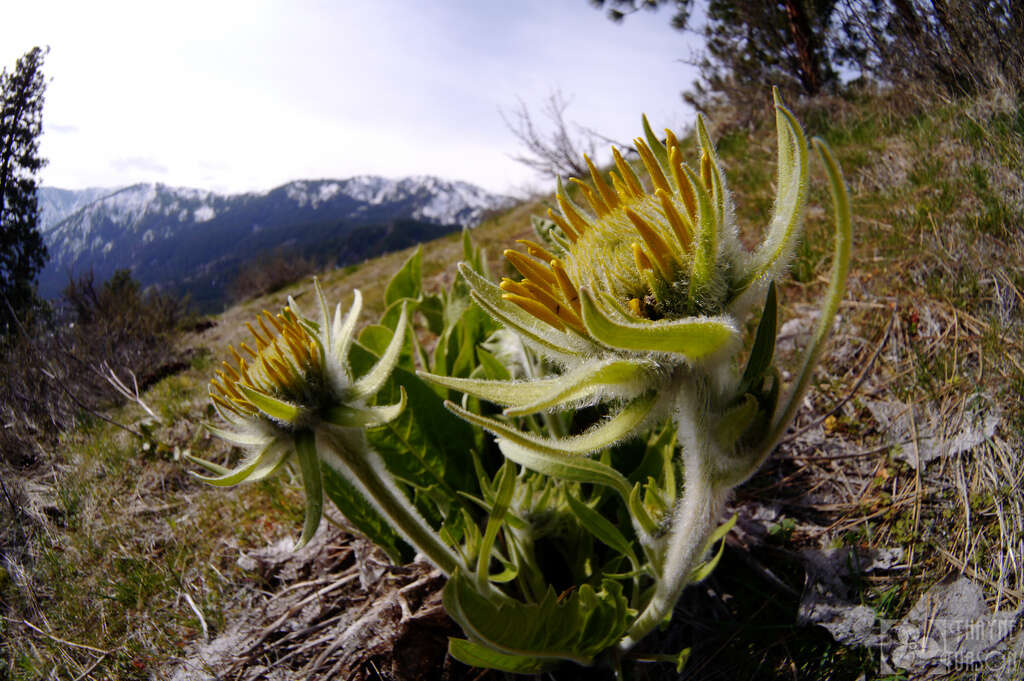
(237,96)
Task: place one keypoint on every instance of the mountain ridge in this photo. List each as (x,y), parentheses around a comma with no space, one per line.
(195,241)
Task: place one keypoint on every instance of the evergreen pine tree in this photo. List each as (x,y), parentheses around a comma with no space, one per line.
(750,44)
(22,252)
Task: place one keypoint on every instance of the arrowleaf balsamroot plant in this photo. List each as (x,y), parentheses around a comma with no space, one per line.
(628,422)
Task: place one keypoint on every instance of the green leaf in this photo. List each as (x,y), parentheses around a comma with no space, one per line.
(602,529)
(271,406)
(425,444)
(476,655)
(763,350)
(577,627)
(834,294)
(377,338)
(309,463)
(394,311)
(408,280)
(506,484)
(465,360)
(701,572)
(492,368)
(693,337)
(432,308)
(364,517)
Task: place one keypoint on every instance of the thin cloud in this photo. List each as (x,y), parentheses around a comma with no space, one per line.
(138,164)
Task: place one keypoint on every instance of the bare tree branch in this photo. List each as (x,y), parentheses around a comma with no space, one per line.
(551,145)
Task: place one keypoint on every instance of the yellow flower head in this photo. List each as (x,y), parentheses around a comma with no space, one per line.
(656,254)
(294,396)
(287,363)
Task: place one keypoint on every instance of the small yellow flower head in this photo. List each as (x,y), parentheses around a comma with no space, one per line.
(294,394)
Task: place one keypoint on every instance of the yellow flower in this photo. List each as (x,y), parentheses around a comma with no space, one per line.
(294,394)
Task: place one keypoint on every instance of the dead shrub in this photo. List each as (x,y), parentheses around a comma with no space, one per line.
(51,370)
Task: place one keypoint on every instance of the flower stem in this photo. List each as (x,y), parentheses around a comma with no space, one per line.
(364,467)
(693,522)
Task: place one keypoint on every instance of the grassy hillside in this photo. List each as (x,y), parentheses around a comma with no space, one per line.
(116,561)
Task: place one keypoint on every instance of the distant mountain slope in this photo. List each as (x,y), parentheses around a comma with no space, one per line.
(195,240)
(56,204)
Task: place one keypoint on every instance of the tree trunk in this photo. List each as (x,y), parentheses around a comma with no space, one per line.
(807,53)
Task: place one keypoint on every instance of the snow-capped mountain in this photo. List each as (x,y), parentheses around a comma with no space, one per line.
(196,240)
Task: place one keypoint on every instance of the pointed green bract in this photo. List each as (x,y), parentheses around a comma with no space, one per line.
(271,406)
(529,397)
(787,217)
(489,297)
(344,331)
(656,146)
(214,468)
(504,393)
(325,315)
(309,464)
(374,380)
(563,467)
(705,251)
(265,462)
(834,295)
(604,434)
(717,184)
(364,417)
(623,378)
(240,438)
(693,337)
